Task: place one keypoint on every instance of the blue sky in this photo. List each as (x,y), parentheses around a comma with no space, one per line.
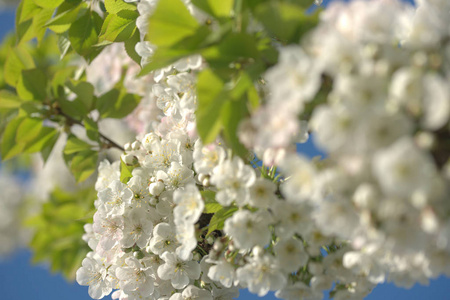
(20,280)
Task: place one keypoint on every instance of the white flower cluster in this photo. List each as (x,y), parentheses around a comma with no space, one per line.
(375,210)
(149,233)
(384,68)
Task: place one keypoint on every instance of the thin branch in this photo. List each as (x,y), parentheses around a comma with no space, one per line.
(109,144)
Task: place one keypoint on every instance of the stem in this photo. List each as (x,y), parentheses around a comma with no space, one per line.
(238,15)
(109,144)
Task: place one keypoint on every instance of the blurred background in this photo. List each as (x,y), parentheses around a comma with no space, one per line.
(21,279)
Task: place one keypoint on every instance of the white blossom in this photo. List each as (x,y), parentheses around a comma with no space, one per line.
(261,275)
(248,229)
(233,178)
(178,271)
(94,274)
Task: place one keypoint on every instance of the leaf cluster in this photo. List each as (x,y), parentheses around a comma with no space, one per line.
(236,54)
(59,230)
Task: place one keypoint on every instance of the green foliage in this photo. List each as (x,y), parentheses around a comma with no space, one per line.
(118,28)
(210,101)
(217,9)
(234,47)
(125,172)
(85,93)
(116,6)
(91,129)
(32,85)
(130,47)
(83,34)
(48,3)
(218,220)
(211,205)
(65,15)
(18,59)
(116,103)
(58,229)
(9,101)
(80,157)
(285,21)
(27,135)
(222,106)
(30,20)
(170,23)
(175,32)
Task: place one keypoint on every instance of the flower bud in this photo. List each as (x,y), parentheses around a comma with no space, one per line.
(129,159)
(156,188)
(127,147)
(201,177)
(136,145)
(206,182)
(218,246)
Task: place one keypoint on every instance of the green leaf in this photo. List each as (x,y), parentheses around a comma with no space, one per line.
(84,164)
(26,135)
(285,21)
(57,231)
(60,77)
(232,114)
(9,101)
(219,218)
(75,145)
(218,9)
(18,59)
(165,56)
(125,172)
(118,28)
(85,92)
(32,85)
(29,108)
(83,34)
(116,103)
(211,205)
(48,3)
(26,10)
(210,101)
(75,109)
(234,47)
(130,47)
(170,23)
(91,129)
(9,147)
(30,21)
(64,18)
(28,130)
(44,142)
(115,6)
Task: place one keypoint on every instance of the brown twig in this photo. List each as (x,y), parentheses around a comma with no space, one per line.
(71,121)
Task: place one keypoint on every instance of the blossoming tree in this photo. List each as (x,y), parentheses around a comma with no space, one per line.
(196,189)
